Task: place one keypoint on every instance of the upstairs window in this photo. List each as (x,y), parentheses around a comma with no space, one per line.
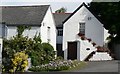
(82,28)
(48,33)
(60,32)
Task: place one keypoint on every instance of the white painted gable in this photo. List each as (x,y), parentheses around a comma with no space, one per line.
(93,28)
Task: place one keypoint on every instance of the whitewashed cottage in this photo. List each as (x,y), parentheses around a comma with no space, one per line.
(39,18)
(83,34)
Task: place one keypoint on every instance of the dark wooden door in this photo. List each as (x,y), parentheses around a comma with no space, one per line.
(72,50)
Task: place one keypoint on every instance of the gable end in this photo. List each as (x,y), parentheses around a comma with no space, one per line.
(83,4)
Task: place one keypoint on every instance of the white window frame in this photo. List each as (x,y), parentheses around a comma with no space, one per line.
(82,27)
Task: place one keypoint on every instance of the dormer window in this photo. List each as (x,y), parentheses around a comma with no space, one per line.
(82,28)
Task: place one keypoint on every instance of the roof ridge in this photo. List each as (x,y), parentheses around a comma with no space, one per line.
(62,13)
(83,4)
(24,6)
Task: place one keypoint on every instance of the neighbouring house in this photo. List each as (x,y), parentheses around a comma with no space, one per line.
(83,34)
(59,18)
(39,18)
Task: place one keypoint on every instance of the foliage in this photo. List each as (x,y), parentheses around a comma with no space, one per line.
(50,53)
(20,29)
(61,10)
(56,65)
(18,63)
(38,52)
(109,14)
(11,47)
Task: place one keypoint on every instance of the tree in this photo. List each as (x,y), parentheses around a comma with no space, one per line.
(61,10)
(110,15)
(21,28)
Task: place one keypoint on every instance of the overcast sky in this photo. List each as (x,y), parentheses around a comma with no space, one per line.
(71,5)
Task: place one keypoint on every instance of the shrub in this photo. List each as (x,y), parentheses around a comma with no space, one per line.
(19,62)
(50,53)
(40,53)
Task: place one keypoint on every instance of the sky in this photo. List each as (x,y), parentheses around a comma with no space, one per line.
(70,5)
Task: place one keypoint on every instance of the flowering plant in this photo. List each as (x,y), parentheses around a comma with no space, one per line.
(57,65)
(89,40)
(80,34)
(19,62)
(93,43)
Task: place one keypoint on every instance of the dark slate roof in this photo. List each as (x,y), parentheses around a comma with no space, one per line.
(23,15)
(59,18)
(83,4)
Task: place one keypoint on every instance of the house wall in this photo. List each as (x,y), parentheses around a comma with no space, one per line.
(82,45)
(83,52)
(1,45)
(93,29)
(12,31)
(0,30)
(106,34)
(48,21)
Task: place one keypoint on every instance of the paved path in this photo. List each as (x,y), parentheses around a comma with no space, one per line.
(103,66)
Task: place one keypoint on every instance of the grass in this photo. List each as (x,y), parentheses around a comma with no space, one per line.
(77,66)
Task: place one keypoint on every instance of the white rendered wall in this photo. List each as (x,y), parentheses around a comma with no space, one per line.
(106,34)
(0,30)
(12,31)
(93,29)
(83,52)
(1,45)
(48,21)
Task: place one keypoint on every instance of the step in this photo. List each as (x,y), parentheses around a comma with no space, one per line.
(100,56)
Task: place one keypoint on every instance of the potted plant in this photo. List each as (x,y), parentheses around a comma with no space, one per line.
(93,43)
(80,34)
(89,39)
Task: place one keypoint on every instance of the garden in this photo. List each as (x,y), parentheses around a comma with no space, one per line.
(18,49)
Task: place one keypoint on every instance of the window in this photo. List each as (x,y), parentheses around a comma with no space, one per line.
(48,33)
(60,32)
(82,28)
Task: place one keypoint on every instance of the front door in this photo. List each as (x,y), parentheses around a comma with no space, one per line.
(72,50)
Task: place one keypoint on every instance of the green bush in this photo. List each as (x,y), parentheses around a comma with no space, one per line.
(40,53)
(49,50)
(18,63)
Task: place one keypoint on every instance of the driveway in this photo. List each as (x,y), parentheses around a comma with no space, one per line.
(102,66)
